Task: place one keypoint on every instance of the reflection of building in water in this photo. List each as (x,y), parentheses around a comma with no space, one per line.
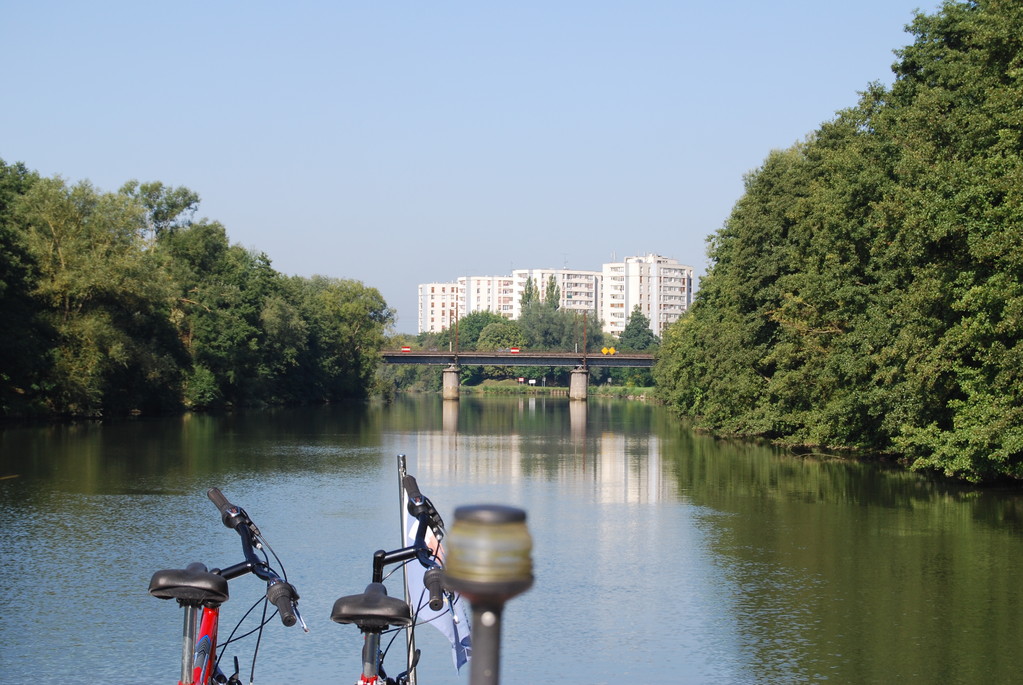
(630,470)
(473,458)
(620,469)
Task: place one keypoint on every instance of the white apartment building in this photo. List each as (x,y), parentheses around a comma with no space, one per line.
(438,306)
(580,290)
(661,287)
(488,294)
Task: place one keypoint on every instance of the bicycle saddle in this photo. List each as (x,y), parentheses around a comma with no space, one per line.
(194,584)
(372,610)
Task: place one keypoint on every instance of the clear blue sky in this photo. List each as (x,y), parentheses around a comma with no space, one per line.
(399,143)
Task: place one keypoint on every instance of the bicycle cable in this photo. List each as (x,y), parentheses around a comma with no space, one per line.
(262,545)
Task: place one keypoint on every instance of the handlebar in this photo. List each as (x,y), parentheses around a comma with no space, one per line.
(412,487)
(218,499)
(279,591)
(433,579)
(282,595)
(419,506)
(422,509)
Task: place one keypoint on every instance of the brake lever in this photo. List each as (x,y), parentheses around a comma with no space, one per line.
(298,615)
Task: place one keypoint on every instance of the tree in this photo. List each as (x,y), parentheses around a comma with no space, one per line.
(349,322)
(552,293)
(530,293)
(637,336)
(25,346)
(501,335)
(472,325)
(107,297)
(119,302)
(865,291)
(166,209)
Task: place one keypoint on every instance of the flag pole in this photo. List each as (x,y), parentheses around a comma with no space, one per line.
(410,636)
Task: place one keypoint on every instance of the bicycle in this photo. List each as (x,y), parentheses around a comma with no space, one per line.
(201,592)
(375,613)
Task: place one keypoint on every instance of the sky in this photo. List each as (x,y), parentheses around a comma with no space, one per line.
(399,143)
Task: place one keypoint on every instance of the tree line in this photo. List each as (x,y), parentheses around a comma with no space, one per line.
(122,302)
(867,289)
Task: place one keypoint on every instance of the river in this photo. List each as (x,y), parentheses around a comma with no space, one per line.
(660,555)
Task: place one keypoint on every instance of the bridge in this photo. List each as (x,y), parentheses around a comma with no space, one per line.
(579,379)
(644,361)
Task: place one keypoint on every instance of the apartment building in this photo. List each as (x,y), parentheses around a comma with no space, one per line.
(488,294)
(661,287)
(438,306)
(580,290)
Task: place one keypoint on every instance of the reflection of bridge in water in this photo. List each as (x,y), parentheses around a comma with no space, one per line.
(579,377)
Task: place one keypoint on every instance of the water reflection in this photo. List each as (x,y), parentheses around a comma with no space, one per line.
(535,439)
(658,550)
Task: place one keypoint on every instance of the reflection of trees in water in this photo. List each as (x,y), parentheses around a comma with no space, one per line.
(855,571)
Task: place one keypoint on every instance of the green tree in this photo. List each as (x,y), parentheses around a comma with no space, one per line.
(472,325)
(392,378)
(120,302)
(637,336)
(25,346)
(107,296)
(530,293)
(501,335)
(166,209)
(498,335)
(349,322)
(865,290)
(552,293)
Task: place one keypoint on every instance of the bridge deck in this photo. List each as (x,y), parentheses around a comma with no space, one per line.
(518,358)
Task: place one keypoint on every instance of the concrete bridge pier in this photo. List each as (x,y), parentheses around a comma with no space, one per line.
(450,387)
(578,383)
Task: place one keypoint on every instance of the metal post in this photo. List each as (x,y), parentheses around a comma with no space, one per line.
(584,340)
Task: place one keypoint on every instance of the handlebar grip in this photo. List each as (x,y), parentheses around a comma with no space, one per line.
(411,487)
(433,580)
(230,514)
(218,499)
(282,595)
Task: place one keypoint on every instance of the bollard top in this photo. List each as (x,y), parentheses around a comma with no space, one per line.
(489,514)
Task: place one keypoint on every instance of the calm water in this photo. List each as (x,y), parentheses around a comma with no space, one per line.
(660,555)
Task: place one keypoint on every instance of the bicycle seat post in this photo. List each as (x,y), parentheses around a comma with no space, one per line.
(489,562)
(188,633)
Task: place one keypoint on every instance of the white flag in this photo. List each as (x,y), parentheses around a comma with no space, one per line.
(452,618)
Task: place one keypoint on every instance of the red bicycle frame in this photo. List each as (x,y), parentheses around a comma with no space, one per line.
(199,650)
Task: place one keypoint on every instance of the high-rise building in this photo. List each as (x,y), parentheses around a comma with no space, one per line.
(438,306)
(662,288)
(487,294)
(578,290)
